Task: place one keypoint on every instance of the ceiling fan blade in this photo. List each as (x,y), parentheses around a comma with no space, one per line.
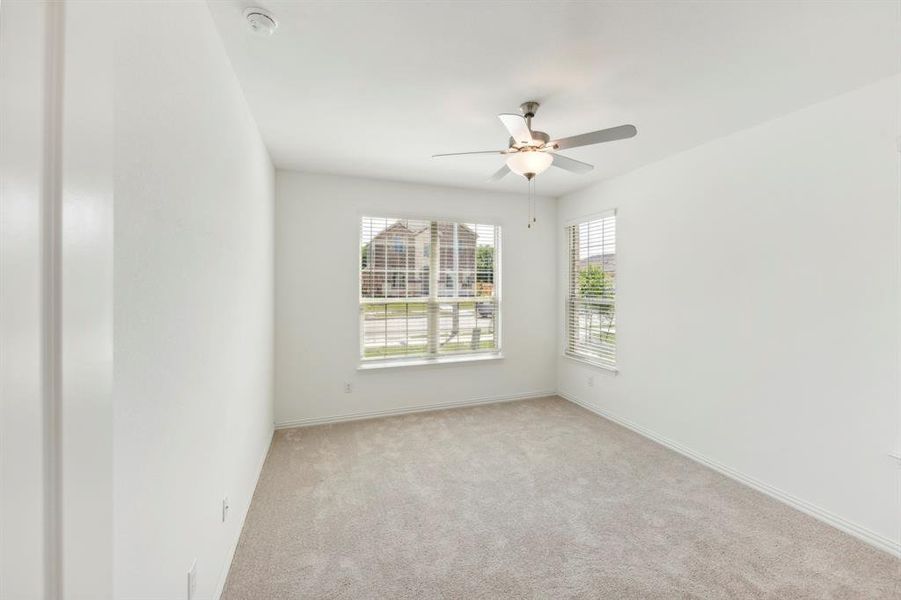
(500,173)
(465,153)
(595,137)
(570,164)
(518,127)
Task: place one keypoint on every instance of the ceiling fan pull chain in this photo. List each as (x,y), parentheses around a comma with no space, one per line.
(529,209)
(532,202)
(529,226)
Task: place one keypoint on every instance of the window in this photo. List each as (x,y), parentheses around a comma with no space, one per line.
(591,301)
(418,303)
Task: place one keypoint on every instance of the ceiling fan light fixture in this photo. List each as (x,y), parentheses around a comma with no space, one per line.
(529,163)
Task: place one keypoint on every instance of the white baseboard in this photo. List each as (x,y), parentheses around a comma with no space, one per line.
(223,576)
(412,409)
(861,533)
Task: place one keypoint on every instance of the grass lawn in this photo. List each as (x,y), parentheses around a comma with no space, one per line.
(400,309)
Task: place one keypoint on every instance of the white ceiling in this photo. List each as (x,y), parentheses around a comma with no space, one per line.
(376,88)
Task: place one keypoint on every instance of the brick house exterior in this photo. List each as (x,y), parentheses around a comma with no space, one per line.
(397,261)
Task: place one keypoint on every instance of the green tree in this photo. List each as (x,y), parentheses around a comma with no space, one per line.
(485,264)
(595,284)
(364,255)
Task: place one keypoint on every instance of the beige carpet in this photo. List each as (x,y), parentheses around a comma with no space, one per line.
(531,499)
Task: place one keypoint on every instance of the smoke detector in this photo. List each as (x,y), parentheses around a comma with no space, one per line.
(260,21)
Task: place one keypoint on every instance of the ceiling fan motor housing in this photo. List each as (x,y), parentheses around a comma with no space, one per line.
(539,137)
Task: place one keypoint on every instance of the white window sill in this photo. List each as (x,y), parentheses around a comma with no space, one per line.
(582,361)
(429,362)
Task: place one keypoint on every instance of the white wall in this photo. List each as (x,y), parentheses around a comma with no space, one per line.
(193,302)
(317,310)
(56,247)
(86,340)
(22,452)
(758,304)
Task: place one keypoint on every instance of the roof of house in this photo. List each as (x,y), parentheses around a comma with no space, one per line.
(443,229)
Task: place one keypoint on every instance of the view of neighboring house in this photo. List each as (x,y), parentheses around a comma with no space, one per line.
(606,262)
(396,261)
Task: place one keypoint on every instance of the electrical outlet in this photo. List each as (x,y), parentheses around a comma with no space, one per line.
(347,387)
(591,381)
(192,580)
(225,507)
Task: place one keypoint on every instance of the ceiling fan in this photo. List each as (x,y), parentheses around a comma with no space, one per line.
(530,153)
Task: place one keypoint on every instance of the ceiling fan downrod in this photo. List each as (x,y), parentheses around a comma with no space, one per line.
(528,110)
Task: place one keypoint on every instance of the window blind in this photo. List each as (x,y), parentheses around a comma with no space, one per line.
(428,288)
(591,300)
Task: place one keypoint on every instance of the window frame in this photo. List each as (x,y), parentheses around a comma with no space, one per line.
(450,358)
(588,360)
